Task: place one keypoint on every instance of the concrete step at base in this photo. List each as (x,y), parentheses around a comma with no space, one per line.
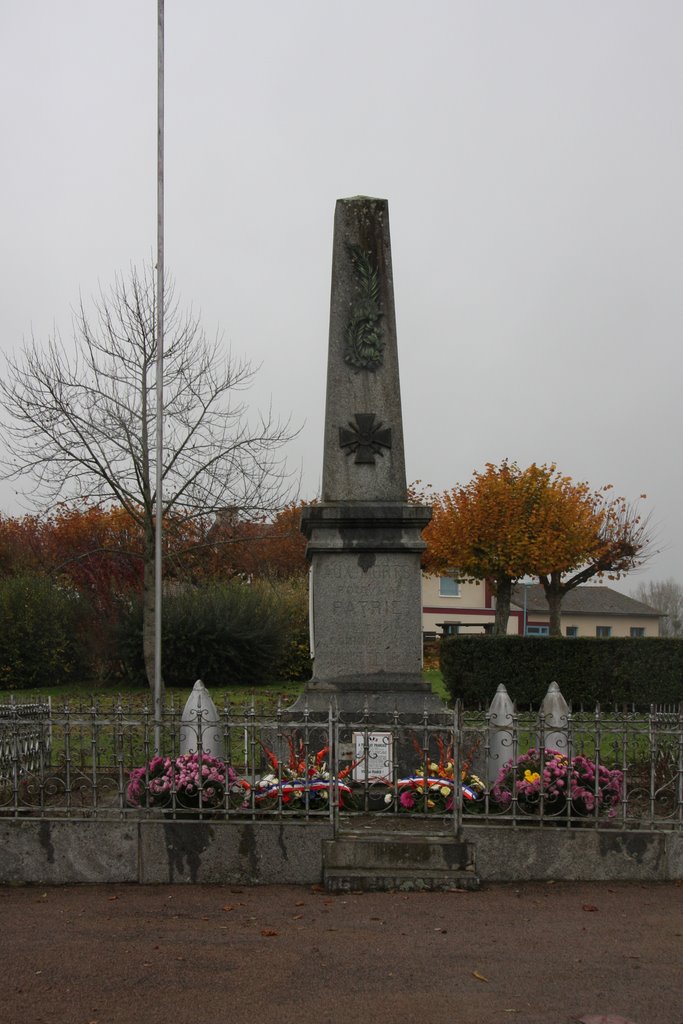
(363,880)
(414,852)
(386,861)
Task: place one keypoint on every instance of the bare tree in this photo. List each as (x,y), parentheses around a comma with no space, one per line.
(81,420)
(667,597)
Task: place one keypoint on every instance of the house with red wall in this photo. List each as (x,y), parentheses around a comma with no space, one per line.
(450,606)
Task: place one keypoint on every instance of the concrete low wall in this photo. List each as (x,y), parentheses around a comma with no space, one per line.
(585,855)
(253,853)
(66,852)
(59,852)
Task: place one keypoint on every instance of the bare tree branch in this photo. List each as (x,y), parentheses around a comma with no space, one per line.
(81,421)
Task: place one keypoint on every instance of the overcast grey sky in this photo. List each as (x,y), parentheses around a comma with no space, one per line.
(532,156)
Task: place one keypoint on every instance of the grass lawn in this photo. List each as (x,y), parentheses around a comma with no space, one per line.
(265,698)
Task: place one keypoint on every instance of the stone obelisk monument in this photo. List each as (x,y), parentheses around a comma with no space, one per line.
(364,539)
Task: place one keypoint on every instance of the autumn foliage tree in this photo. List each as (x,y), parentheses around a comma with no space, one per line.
(483,529)
(96,551)
(508,522)
(97,554)
(272,548)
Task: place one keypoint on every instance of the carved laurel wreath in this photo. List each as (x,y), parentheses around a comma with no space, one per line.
(364,345)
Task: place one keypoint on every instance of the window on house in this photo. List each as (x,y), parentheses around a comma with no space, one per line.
(603,631)
(538,630)
(637,630)
(572,631)
(449,586)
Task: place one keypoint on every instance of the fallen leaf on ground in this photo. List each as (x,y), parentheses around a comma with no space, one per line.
(268,931)
(478,976)
(609,1019)
(589,907)
(111,898)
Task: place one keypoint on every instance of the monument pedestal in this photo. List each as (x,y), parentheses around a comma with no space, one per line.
(366,607)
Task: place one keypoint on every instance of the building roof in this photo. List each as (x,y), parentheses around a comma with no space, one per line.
(587,600)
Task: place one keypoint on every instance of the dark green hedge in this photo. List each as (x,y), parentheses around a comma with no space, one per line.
(617,670)
(41,630)
(220,633)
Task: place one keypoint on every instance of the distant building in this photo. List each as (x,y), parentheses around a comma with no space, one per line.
(451,606)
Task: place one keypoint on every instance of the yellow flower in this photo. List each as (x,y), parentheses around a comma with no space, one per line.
(430,803)
(531,776)
(445,791)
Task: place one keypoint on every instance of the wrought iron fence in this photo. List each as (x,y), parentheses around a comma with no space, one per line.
(605,769)
(27,737)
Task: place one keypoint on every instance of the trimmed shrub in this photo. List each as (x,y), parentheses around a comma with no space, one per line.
(222,633)
(41,626)
(618,670)
(295,663)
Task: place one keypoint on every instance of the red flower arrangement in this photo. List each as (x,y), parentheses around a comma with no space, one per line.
(303,780)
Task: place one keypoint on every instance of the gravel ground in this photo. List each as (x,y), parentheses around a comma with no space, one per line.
(533,953)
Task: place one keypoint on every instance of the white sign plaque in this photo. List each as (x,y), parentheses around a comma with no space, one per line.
(373,751)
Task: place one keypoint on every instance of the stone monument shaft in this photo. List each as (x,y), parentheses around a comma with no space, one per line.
(364,539)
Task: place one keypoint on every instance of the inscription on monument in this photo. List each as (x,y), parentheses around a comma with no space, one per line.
(341,569)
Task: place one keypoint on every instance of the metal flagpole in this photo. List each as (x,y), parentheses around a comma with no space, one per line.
(158,576)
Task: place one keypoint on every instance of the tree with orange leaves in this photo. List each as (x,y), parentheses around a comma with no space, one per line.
(100,551)
(508,523)
(483,529)
(271,549)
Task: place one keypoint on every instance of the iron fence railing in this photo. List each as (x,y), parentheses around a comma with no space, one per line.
(605,769)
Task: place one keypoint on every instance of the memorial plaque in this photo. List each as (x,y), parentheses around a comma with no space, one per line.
(375,760)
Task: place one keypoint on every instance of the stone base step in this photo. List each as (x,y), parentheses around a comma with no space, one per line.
(406,881)
(386,861)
